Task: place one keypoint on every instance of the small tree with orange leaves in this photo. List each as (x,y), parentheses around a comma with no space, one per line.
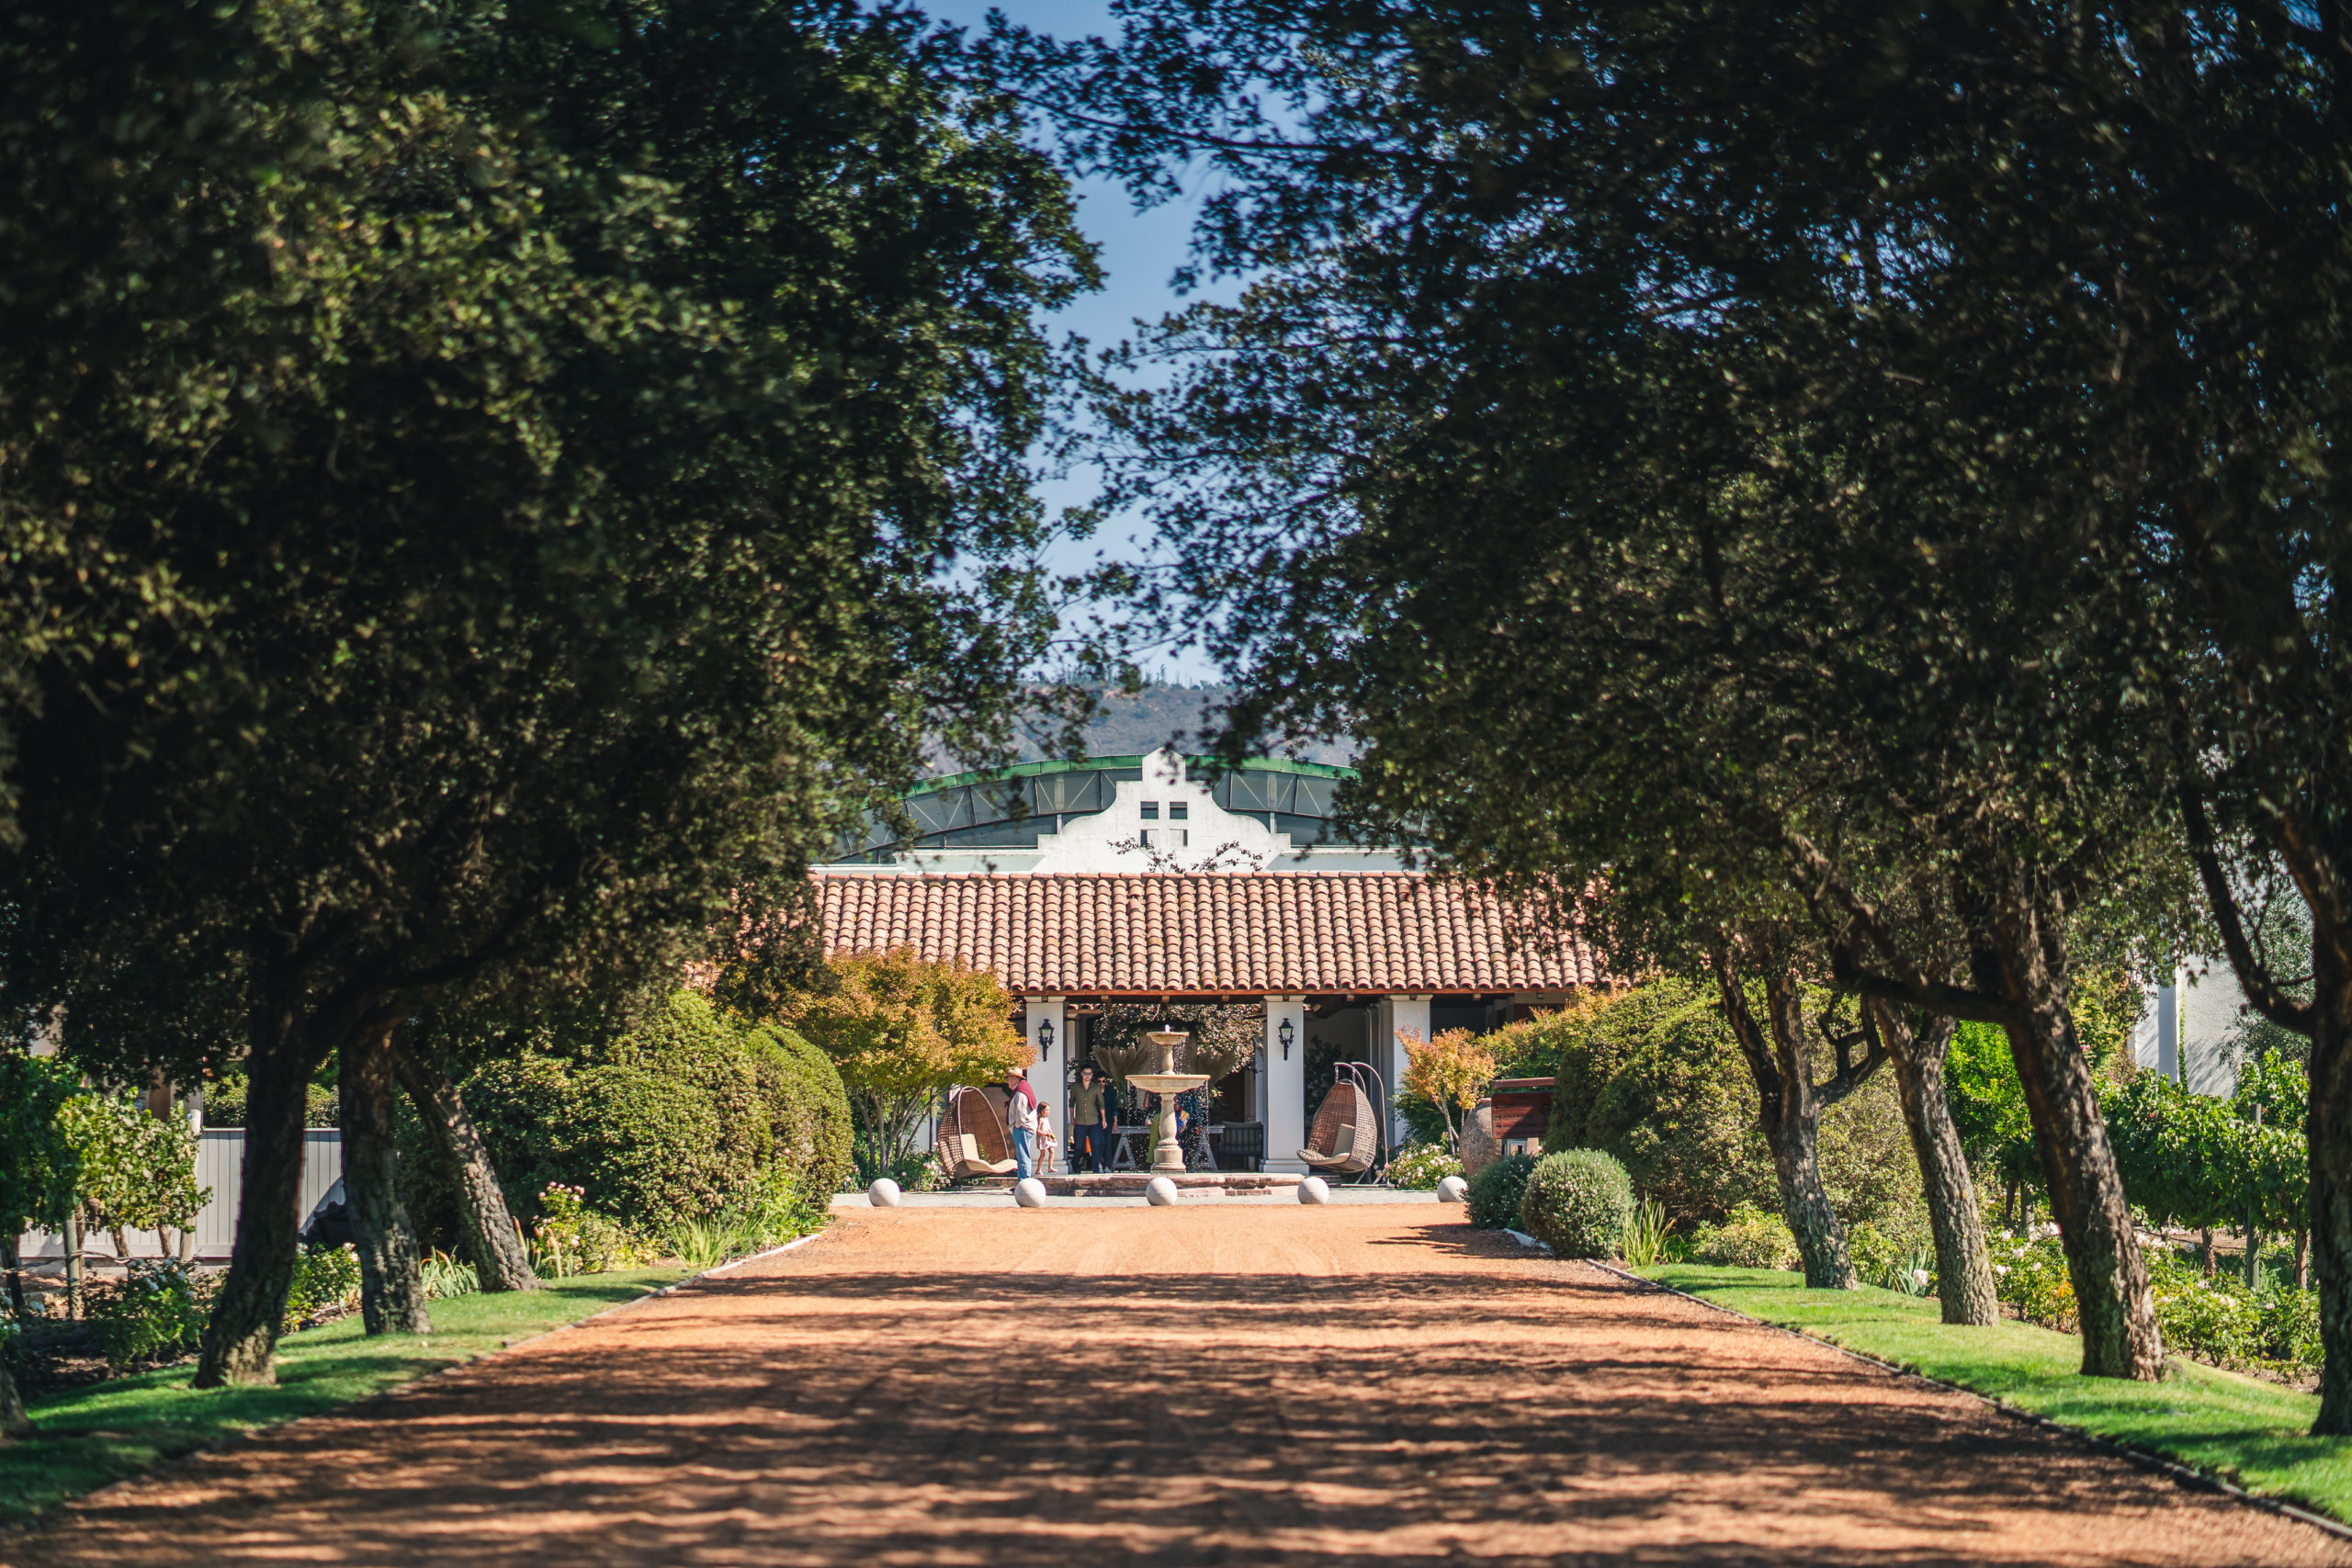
(1449,1072)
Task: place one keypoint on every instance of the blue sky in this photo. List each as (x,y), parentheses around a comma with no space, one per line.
(1140,251)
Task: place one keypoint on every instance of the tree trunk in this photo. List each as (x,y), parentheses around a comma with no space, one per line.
(2304,1258)
(2329,1129)
(76,1269)
(1796,1151)
(241,1334)
(391,1282)
(13,1421)
(2205,1251)
(501,1262)
(14,1264)
(1791,1118)
(2117,1309)
(1963,1269)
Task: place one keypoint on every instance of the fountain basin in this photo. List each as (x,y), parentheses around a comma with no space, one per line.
(1168,1083)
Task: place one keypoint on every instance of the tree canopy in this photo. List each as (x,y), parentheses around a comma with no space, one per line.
(597,466)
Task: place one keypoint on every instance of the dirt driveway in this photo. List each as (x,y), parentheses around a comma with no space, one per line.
(1210,1384)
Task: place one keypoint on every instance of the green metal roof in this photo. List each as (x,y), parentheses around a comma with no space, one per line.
(1096,764)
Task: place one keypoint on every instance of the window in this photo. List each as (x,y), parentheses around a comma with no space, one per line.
(1151,811)
(1176,810)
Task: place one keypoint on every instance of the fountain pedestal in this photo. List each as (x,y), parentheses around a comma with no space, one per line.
(1167,1155)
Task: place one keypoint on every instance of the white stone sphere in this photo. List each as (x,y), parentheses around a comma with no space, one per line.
(1453,1189)
(1029,1192)
(1160,1190)
(883,1194)
(1314,1189)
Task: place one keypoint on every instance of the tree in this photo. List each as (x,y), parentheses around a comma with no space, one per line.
(38,1167)
(902,1029)
(134,1170)
(636,445)
(1449,1072)
(1738,507)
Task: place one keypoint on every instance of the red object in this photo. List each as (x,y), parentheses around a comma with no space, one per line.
(1522,1108)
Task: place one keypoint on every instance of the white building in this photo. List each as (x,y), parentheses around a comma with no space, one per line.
(1131,878)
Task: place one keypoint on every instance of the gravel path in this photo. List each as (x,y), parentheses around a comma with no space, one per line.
(1208,1385)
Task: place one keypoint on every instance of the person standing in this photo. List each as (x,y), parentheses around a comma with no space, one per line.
(1090,1118)
(1021,1121)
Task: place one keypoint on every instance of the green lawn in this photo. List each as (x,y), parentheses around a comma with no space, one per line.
(116,1428)
(2253,1434)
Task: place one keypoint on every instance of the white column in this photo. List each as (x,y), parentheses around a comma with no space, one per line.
(1281,1088)
(1048,1024)
(1396,1015)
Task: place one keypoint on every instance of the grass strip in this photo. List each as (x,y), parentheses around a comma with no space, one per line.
(109,1431)
(2252,1434)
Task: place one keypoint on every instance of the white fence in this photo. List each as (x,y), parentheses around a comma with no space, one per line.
(220,1161)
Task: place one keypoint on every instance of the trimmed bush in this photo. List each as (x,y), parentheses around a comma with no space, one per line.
(1751,1238)
(1577,1203)
(691,1113)
(1494,1192)
(663,1124)
(809,1115)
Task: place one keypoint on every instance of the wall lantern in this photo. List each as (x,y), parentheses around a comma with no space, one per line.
(1045,1039)
(1284,1035)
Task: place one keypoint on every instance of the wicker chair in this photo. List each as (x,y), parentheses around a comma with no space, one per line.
(971,1137)
(1345,1138)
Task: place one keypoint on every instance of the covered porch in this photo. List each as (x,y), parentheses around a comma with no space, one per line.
(1335,967)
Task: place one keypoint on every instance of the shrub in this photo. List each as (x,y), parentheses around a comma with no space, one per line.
(809,1115)
(1577,1203)
(1751,1238)
(326,1284)
(2030,1275)
(1893,1259)
(1421,1167)
(572,1238)
(2222,1321)
(157,1312)
(666,1123)
(1494,1196)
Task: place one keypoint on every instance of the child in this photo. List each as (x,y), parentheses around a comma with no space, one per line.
(1044,1139)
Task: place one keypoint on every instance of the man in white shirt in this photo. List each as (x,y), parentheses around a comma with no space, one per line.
(1021,1121)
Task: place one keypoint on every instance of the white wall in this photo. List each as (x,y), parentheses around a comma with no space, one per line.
(1050,1073)
(1394,1016)
(1282,1091)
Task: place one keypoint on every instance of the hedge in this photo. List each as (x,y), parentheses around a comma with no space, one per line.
(808,1113)
(666,1122)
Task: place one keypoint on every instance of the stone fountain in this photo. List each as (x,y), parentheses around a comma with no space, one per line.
(1167,1155)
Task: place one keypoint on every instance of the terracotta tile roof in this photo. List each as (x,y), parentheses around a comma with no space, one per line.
(1388,933)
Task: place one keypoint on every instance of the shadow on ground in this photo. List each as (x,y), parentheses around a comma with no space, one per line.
(905,1404)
